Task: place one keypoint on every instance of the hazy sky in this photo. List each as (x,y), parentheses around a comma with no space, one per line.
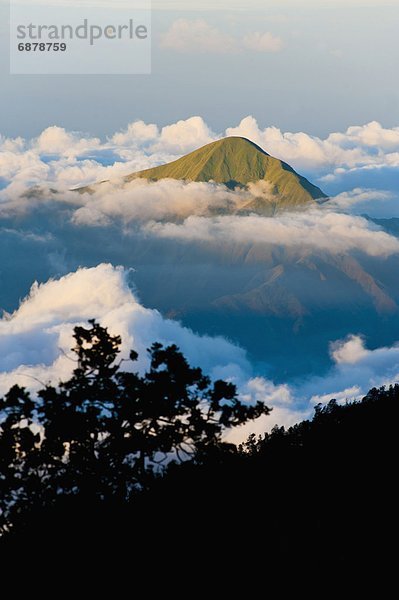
(300,65)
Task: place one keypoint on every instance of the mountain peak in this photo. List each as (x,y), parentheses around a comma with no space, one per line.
(235,162)
(234,143)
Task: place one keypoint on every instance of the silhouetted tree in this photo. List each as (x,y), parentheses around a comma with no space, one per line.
(106,432)
(318,499)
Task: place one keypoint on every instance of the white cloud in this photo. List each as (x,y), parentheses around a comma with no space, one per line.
(349,351)
(161,144)
(136,134)
(359,196)
(56,140)
(193,212)
(262,42)
(347,395)
(372,134)
(36,340)
(350,164)
(184,136)
(143,145)
(77,161)
(143,201)
(197,35)
(301,150)
(357,369)
(317,228)
(61,159)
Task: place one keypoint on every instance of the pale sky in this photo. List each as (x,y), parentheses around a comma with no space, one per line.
(300,65)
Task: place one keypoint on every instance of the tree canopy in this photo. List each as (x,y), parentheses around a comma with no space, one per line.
(107,431)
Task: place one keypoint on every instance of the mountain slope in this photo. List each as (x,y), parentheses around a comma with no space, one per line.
(236,162)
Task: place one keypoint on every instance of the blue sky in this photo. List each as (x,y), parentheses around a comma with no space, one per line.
(335,66)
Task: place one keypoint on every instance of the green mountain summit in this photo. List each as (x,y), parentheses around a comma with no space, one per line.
(236,162)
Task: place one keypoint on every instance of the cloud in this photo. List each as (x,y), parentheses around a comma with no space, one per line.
(301,149)
(61,160)
(356,370)
(360,199)
(359,167)
(184,136)
(350,351)
(56,140)
(136,134)
(262,42)
(200,212)
(360,156)
(285,413)
(36,340)
(166,143)
(197,35)
(144,201)
(321,229)
(358,147)
(371,135)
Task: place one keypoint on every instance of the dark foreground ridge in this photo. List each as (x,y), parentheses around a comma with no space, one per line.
(315,500)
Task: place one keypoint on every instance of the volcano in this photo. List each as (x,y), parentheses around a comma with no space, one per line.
(236,162)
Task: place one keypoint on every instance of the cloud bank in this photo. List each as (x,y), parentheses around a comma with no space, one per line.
(197,35)
(323,230)
(62,160)
(36,342)
(362,157)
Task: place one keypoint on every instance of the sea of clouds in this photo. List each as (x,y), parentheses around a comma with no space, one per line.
(57,156)
(358,168)
(36,342)
(59,160)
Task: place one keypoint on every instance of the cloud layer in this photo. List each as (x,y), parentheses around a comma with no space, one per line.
(61,160)
(364,157)
(36,342)
(36,339)
(314,229)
